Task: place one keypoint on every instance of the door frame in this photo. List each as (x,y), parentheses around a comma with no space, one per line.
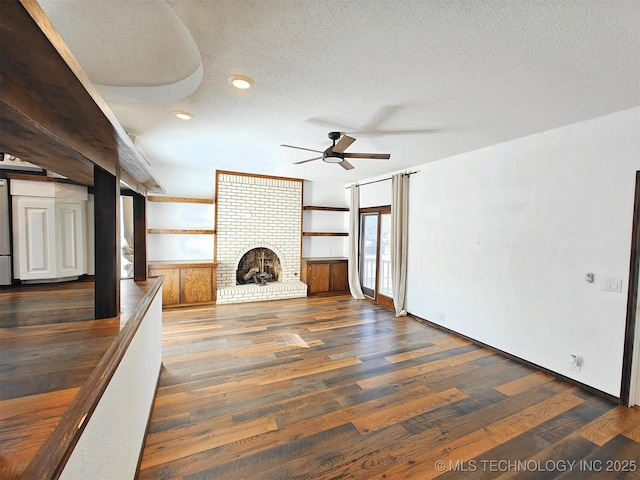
(631,355)
(378,298)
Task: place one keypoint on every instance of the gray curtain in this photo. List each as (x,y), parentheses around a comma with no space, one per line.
(354,234)
(399,240)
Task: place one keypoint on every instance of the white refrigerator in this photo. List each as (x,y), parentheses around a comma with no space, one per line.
(5,246)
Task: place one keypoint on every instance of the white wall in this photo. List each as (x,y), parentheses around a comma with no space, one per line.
(501,240)
(111,442)
(182,182)
(187,216)
(198,182)
(322,194)
(376,194)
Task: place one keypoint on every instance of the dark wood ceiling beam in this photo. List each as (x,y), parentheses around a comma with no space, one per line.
(27,140)
(46,98)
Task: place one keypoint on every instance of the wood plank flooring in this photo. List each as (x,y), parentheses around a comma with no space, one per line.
(333,388)
(49,345)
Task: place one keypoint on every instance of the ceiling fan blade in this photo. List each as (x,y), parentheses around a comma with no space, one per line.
(305,161)
(301,148)
(372,156)
(346,165)
(343,144)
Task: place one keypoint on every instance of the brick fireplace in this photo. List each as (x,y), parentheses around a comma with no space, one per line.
(258,213)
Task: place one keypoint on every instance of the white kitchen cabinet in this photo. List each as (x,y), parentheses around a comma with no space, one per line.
(70,239)
(34,249)
(49,230)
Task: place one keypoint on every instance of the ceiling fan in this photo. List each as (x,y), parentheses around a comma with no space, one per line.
(336,152)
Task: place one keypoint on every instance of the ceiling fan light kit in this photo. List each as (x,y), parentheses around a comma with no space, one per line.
(332,158)
(335,153)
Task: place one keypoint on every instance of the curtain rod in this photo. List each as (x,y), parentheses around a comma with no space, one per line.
(381,180)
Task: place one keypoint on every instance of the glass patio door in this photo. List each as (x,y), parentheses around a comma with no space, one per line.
(368,253)
(384,257)
(375,254)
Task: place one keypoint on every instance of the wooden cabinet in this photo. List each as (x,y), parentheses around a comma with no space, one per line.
(338,276)
(325,276)
(186,282)
(197,284)
(170,285)
(316,276)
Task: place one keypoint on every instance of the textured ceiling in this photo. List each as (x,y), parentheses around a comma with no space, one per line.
(421,80)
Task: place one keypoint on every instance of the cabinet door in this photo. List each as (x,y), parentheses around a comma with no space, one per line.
(34,238)
(317,278)
(196,285)
(70,239)
(339,277)
(170,285)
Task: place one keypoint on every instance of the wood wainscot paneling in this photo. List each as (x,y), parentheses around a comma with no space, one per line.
(186,282)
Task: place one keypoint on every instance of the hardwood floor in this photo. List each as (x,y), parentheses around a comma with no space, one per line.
(49,346)
(333,388)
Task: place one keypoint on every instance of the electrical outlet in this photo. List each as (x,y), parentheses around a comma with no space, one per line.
(575,362)
(612,284)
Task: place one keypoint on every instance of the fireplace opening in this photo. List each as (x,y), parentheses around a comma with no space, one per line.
(259,266)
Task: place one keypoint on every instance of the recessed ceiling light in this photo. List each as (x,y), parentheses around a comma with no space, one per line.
(241,82)
(183,115)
